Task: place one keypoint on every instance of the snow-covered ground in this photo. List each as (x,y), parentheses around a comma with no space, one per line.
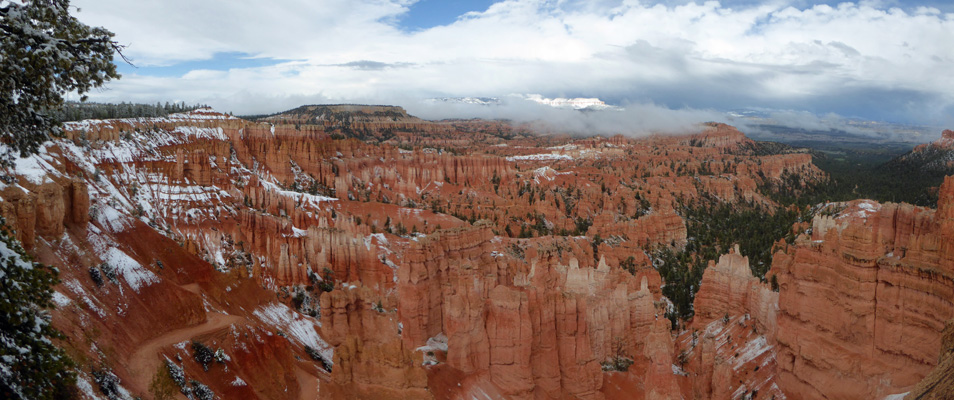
(298,327)
(540,157)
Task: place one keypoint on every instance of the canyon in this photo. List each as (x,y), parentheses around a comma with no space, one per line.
(358,252)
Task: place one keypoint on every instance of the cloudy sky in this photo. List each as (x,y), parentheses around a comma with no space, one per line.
(883,60)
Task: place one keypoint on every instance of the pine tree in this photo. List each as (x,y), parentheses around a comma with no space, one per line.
(31,366)
(45,53)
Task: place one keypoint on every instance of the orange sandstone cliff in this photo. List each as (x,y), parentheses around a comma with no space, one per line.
(864,299)
(359,252)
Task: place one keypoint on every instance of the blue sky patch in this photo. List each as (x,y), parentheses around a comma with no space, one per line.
(946,6)
(218,62)
(426,14)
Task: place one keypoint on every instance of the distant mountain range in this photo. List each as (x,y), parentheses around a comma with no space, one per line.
(806,129)
(484,101)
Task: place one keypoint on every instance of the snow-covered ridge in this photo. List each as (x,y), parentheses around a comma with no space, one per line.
(578,103)
(302,198)
(202,133)
(197,114)
(540,157)
(484,101)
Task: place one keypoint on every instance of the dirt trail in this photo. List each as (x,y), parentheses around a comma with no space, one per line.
(144,362)
(307,384)
(192,287)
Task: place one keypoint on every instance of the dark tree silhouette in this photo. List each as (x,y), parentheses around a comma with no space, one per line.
(46,53)
(31,366)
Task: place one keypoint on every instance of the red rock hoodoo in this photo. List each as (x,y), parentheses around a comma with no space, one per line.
(358,252)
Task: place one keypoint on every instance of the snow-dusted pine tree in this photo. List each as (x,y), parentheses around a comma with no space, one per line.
(31,366)
(45,53)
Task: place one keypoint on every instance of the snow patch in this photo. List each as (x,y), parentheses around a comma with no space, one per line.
(134,273)
(865,209)
(205,113)
(78,290)
(540,157)
(33,168)
(60,299)
(381,239)
(436,343)
(678,371)
(300,198)
(87,388)
(112,219)
(202,133)
(296,326)
(869,206)
(296,233)
(546,173)
(899,396)
(752,350)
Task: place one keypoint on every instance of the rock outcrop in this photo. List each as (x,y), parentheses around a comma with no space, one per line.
(939,383)
(728,288)
(537,333)
(359,252)
(45,209)
(730,350)
(370,359)
(865,299)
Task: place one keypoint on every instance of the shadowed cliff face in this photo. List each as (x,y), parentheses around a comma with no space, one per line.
(452,259)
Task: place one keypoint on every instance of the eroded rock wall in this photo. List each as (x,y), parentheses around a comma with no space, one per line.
(864,299)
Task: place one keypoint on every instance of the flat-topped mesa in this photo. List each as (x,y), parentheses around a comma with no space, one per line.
(328,110)
(864,299)
(364,109)
(718,135)
(334,115)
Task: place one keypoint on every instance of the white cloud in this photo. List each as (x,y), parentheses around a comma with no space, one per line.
(165,32)
(630,120)
(697,55)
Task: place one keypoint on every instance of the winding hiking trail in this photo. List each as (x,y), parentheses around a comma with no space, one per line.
(144,362)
